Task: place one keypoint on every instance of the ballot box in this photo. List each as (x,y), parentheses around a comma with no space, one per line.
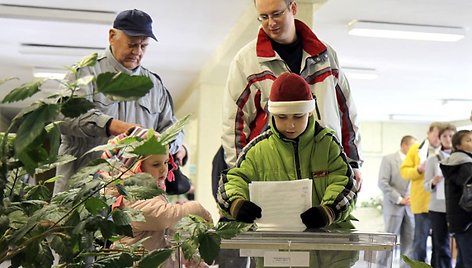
(317,248)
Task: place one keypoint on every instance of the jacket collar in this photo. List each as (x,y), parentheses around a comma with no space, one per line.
(311,44)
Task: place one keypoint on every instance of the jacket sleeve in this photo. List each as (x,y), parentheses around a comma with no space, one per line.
(93,122)
(235,120)
(240,107)
(234,184)
(430,173)
(160,214)
(341,192)
(409,167)
(350,136)
(384,183)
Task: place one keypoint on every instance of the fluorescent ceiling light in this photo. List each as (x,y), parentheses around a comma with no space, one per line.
(455,101)
(360,73)
(405,31)
(56,14)
(48,49)
(424,118)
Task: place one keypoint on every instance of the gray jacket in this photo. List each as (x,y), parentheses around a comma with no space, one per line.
(432,170)
(89,130)
(393,186)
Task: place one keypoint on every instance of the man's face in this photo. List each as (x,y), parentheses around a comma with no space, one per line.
(279,21)
(433,137)
(127,50)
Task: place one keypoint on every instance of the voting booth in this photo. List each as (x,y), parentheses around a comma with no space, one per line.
(318,248)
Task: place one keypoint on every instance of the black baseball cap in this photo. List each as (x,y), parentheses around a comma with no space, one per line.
(134,23)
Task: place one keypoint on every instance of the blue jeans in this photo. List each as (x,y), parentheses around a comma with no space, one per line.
(464,246)
(422,227)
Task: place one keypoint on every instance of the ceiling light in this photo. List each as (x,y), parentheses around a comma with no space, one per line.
(360,73)
(56,14)
(49,49)
(424,118)
(455,101)
(405,31)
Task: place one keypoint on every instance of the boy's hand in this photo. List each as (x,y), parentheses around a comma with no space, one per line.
(248,212)
(317,217)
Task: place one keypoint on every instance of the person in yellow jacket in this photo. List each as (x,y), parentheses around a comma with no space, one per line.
(412,168)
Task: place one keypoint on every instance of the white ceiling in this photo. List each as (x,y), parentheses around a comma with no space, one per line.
(415,77)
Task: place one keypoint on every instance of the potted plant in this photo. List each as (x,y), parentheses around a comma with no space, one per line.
(78,225)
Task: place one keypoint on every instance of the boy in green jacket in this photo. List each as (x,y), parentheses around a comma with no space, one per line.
(295,147)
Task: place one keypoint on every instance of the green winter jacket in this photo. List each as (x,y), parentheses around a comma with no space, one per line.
(316,155)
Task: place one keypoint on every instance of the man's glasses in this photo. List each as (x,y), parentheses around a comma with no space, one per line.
(274,16)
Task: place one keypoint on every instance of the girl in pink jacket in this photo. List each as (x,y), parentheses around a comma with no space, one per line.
(160,215)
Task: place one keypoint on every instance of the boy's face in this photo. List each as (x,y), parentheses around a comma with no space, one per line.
(291,125)
(156,165)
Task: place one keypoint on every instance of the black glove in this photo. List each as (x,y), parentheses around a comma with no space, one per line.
(317,217)
(248,212)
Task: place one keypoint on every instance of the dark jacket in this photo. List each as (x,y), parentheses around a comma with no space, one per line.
(457,170)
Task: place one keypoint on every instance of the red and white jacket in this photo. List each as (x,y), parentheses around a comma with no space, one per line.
(250,78)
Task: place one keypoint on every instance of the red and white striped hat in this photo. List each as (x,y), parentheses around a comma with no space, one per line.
(290,94)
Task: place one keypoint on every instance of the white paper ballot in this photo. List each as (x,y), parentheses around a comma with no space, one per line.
(282,202)
(440,194)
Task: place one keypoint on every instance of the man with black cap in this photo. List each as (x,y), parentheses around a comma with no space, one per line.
(128,40)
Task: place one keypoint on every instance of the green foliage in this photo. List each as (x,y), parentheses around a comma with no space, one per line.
(373,202)
(23,92)
(415,264)
(155,258)
(197,238)
(122,86)
(79,224)
(75,224)
(150,146)
(73,107)
(170,133)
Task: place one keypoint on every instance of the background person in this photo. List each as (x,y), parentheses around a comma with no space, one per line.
(285,44)
(457,170)
(128,41)
(434,183)
(412,169)
(398,218)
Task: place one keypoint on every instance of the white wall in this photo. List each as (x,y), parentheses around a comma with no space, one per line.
(203,137)
(379,139)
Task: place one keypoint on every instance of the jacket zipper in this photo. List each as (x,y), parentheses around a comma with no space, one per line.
(297,161)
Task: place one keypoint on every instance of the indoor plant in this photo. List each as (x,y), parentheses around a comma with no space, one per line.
(77,224)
